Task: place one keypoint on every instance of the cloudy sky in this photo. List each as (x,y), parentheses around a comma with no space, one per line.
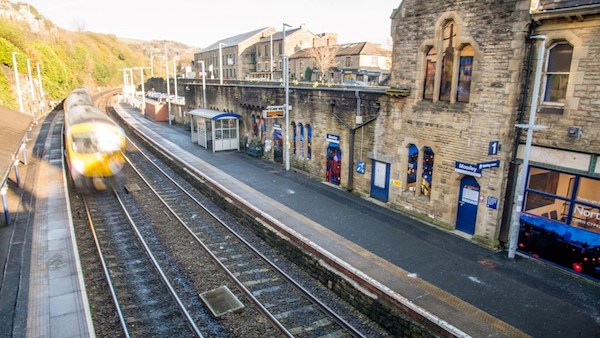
(199,25)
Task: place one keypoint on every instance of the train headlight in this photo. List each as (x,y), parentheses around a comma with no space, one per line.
(78,165)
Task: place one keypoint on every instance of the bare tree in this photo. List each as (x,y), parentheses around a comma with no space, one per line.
(324,58)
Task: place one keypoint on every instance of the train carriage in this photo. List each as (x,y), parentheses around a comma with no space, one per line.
(94,144)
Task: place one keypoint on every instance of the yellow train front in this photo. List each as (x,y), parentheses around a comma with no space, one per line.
(94,144)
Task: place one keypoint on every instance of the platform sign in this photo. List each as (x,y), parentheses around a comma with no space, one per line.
(467,169)
(493,148)
(492,202)
(488,165)
(275,112)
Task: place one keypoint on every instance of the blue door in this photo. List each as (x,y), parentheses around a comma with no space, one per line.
(380,180)
(468,200)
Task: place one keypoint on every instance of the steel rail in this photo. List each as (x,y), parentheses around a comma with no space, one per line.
(340,321)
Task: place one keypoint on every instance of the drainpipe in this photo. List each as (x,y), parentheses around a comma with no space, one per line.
(513,170)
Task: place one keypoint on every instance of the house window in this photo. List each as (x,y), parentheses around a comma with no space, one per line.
(429,74)
(557,72)
(465,68)
(301,127)
(348,61)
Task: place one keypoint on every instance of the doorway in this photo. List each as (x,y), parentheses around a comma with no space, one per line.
(468,201)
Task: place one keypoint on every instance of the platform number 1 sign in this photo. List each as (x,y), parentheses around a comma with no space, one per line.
(494,147)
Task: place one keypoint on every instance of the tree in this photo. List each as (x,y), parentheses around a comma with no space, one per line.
(324,58)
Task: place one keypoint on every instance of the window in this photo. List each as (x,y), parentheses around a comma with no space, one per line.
(348,61)
(411,172)
(309,141)
(465,67)
(448,43)
(293,124)
(429,74)
(447,72)
(557,72)
(427,175)
(301,127)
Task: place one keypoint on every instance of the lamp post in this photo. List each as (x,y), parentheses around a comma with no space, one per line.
(203,85)
(143,89)
(286,110)
(168,89)
(175,74)
(271,62)
(19,93)
(221,44)
(42,95)
(521,179)
(34,109)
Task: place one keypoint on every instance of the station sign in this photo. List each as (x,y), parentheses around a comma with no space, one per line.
(275,112)
(467,169)
(488,165)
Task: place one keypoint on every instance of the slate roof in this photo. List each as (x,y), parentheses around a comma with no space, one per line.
(549,5)
(355,48)
(234,40)
(14,126)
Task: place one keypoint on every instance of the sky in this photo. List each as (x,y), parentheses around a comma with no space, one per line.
(199,25)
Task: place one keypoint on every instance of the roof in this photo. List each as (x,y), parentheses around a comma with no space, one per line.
(214,115)
(356,48)
(548,5)
(234,40)
(14,126)
(279,35)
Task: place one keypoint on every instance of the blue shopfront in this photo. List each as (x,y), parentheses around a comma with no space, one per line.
(560,222)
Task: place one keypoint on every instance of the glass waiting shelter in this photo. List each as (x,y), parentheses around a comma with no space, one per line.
(215,129)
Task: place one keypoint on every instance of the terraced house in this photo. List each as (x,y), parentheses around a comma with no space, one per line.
(450,140)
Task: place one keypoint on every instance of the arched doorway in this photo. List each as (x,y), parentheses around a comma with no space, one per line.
(468,200)
(334,163)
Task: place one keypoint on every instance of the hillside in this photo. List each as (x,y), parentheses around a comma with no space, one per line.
(66,59)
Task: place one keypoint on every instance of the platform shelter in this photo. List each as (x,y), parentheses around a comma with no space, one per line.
(219,129)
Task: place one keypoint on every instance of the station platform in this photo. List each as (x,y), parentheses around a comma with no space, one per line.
(468,289)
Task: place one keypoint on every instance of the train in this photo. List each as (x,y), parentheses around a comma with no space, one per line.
(94,144)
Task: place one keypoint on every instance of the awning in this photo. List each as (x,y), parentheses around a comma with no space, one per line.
(214,115)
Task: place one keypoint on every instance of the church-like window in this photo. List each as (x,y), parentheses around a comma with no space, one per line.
(308,141)
(427,174)
(448,44)
(411,172)
(301,127)
(293,124)
(429,74)
(465,68)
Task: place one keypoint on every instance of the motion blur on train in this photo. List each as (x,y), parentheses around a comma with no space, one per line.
(94,144)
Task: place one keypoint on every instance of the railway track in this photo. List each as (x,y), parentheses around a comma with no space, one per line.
(145,299)
(291,307)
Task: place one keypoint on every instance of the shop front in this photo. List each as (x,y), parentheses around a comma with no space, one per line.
(560,222)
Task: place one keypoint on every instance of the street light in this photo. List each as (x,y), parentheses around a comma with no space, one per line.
(271,62)
(143,89)
(221,44)
(518,199)
(42,95)
(31,89)
(203,85)
(167,81)
(286,110)
(19,93)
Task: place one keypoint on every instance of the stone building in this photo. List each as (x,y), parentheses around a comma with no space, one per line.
(442,142)
(235,55)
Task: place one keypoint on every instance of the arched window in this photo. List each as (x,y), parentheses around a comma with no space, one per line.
(301,127)
(448,44)
(293,124)
(427,174)
(255,125)
(465,68)
(411,172)
(308,141)
(430,59)
(558,68)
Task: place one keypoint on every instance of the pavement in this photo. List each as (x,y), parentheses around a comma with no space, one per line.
(421,262)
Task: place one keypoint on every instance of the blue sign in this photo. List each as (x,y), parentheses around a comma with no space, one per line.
(467,169)
(488,165)
(492,202)
(333,138)
(493,148)
(360,167)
